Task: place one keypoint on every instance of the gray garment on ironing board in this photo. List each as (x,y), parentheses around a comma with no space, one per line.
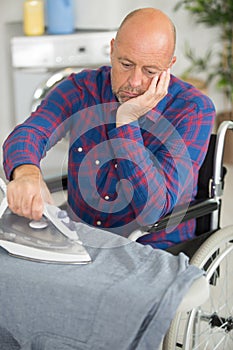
(124,300)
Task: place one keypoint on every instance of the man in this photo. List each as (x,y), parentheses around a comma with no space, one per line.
(138,137)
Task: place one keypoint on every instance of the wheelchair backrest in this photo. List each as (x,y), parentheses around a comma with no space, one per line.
(204,188)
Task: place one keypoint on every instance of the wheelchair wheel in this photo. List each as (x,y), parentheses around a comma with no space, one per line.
(210,326)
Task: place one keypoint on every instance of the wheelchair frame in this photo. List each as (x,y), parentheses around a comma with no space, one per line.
(210,326)
(212,252)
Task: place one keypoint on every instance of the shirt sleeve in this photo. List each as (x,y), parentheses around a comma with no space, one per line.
(29,141)
(161,158)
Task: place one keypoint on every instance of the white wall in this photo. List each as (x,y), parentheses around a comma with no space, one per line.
(199,37)
(11,11)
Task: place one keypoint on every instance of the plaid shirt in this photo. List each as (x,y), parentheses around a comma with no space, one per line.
(126,177)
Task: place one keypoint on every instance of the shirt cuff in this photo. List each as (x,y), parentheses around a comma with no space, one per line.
(130,131)
(127,140)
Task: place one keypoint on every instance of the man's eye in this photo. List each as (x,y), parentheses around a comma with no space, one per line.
(152,73)
(126,65)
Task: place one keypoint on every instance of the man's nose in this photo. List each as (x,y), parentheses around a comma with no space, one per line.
(136,78)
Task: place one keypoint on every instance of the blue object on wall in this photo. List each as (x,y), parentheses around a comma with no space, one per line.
(60,16)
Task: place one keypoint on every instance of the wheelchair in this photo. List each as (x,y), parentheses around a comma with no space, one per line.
(208,326)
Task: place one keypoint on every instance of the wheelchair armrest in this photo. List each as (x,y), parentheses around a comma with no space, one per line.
(57,184)
(196,209)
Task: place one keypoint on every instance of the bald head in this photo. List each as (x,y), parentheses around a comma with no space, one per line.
(150,25)
(143,49)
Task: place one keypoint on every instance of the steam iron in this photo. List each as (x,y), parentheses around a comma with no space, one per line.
(53,239)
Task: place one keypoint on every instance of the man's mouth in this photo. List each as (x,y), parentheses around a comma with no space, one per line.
(126,95)
(129,93)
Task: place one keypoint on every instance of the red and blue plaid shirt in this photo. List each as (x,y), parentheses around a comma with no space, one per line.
(126,177)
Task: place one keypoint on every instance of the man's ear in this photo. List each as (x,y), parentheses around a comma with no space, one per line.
(173,61)
(112,45)
(111,49)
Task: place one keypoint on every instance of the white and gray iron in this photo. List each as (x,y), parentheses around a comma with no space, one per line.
(53,239)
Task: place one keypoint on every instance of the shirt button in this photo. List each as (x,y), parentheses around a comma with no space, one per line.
(97,162)
(80,149)
(98,222)
(106,197)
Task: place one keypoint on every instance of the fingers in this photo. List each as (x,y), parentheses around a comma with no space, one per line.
(157,90)
(159,84)
(164,81)
(30,207)
(153,84)
(25,200)
(134,108)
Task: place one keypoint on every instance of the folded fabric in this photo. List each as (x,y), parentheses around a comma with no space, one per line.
(124,300)
(7,341)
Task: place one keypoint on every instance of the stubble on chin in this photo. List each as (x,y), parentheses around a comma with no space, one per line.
(118,96)
(120,100)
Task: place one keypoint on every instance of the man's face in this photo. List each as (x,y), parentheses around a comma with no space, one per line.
(134,64)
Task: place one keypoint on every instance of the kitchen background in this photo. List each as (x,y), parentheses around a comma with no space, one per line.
(106,15)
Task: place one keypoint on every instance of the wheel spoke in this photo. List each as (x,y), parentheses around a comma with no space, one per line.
(209,327)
